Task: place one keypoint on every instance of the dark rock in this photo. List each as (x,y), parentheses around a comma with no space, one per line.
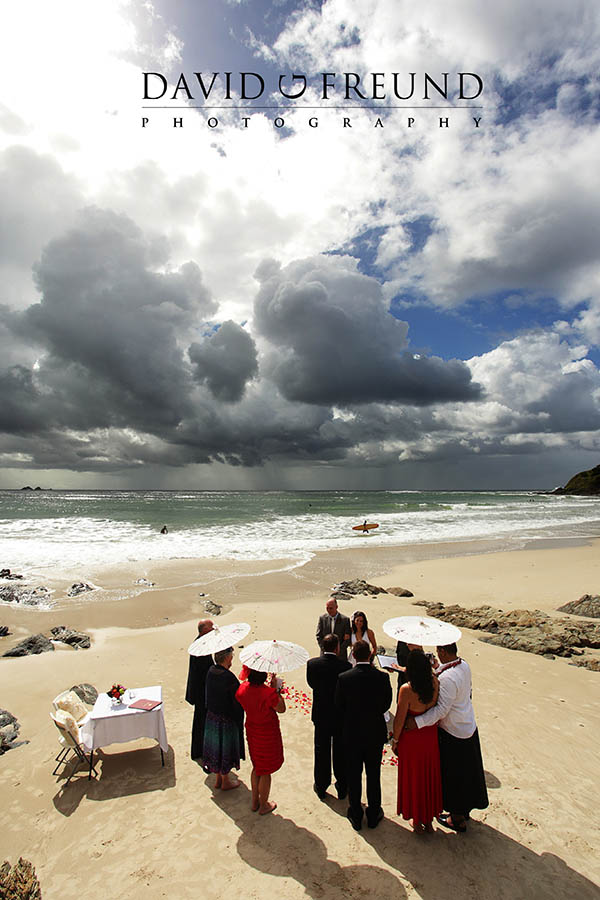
(340,596)
(86,692)
(585,606)
(23,596)
(80,587)
(358,586)
(9,731)
(400,592)
(36,643)
(10,576)
(213,608)
(7,718)
(144,581)
(65,635)
(27,488)
(586,483)
(3,630)
(19,882)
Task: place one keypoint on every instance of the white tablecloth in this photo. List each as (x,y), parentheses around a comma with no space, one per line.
(110,725)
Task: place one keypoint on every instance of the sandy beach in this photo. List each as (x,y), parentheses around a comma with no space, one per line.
(141,830)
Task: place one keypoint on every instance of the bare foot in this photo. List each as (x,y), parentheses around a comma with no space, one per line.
(255,804)
(268,808)
(230,785)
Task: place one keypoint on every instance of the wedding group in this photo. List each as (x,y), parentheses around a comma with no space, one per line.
(432,730)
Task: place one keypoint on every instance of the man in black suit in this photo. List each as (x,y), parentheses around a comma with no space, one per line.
(322,675)
(334,622)
(195,691)
(362,697)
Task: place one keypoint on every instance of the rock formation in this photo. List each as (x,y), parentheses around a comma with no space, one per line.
(585,606)
(521,629)
(65,635)
(80,587)
(19,882)
(34,644)
(587,483)
(9,730)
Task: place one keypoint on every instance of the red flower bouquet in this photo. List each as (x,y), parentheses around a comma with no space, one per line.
(116,692)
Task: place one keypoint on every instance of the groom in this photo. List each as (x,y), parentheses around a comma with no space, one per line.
(463,778)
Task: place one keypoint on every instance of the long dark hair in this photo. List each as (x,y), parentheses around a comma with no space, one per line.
(359,612)
(420,675)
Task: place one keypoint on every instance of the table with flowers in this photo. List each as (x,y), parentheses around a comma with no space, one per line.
(111,723)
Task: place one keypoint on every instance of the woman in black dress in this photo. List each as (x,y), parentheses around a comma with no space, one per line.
(223,732)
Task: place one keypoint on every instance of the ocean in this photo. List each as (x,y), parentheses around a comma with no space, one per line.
(41,529)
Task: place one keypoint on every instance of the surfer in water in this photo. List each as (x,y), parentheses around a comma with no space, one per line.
(365,529)
(164,530)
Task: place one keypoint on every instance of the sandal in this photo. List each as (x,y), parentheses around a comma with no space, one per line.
(444,819)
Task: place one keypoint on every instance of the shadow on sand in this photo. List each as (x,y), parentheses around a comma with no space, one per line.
(277,846)
(119,775)
(484,863)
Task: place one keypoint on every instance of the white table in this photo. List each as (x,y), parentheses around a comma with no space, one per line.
(110,724)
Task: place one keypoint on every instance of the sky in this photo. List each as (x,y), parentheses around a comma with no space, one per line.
(306,294)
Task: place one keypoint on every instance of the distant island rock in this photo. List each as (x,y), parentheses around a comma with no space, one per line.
(587,483)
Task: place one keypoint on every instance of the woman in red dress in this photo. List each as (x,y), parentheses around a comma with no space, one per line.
(419,779)
(261,704)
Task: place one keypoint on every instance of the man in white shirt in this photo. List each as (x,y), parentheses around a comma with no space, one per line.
(463,778)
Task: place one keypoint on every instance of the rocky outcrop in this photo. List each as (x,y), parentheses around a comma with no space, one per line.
(24,596)
(9,730)
(19,882)
(10,576)
(211,608)
(345,590)
(586,483)
(86,692)
(585,606)
(400,592)
(587,662)
(80,587)
(69,636)
(36,643)
(521,629)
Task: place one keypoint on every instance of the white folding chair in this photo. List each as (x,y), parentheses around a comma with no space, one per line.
(70,739)
(71,703)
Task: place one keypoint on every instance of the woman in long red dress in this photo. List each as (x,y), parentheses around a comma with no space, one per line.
(261,704)
(419,778)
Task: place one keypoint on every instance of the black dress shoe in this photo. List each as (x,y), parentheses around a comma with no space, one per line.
(356,823)
(375,822)
(320,794)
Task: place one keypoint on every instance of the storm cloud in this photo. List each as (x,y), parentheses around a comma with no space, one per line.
(334,340)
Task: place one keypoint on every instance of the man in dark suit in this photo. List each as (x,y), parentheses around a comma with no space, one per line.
(322,675)
(196,691)
(362,697)
(334,622)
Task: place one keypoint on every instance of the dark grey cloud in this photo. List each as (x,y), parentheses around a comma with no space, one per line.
(335,341)
(225,360)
